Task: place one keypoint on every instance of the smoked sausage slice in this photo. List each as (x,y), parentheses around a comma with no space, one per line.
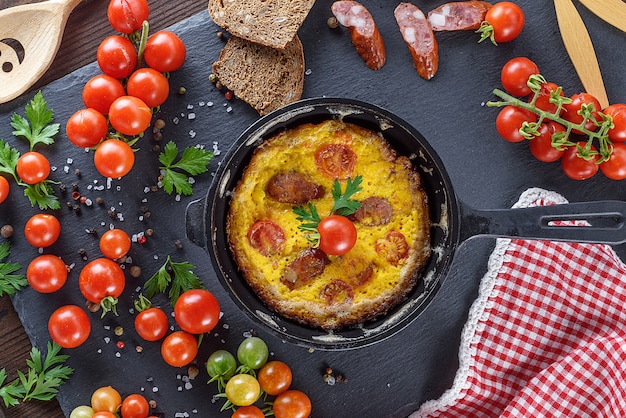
(458,15)
(293,187)
(419,37)
(363,30)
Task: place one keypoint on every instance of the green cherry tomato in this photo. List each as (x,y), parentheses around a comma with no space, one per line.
(221,364)
(82,411)
(243,390)
(252,353)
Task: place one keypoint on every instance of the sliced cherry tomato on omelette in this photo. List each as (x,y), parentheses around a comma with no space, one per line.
(394,247)
(46,273)
(42,230)
(336,161)
(337,235)
(69,326)
(267,237)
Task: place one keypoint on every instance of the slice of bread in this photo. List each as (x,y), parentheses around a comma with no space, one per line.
(272,23)
(266,78)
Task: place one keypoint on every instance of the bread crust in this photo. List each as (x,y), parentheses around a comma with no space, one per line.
(270,23)
(266,78)
(359,286)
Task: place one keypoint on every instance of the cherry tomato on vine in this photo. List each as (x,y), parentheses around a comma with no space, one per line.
(127,16)
(250,411)
(117,56)
(243,389)
(221,365)
(615,167)
(197,311)
(114,243)
(135,406)
(179,348)
(292,404)
(82,411)
(114,158)
(578,168)
(151,324)
(86,128)
(165,51)
(337,235)
(33,167)
(149,85)
(510,120)
(106,399)
(275,377)
(5,188)
(515,73)
(506,19)
(42,230)
(129,115)
(69,326)
(617,112)
(46,273)
(101,91)
(543,98)
(541,146)
(102,279)
(570,110)
(252,353)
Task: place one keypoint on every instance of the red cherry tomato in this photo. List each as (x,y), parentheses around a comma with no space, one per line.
(101,91)
(510,120)
(543,98)
(337,235)
(5,188)
(570,110)
(179,348)
(104,414)
(46,273)
(541,146)
(617,112)
(135,406)
(114,243)
(101,278)
(506,19)
(578,168)
(114,158)
(615,167)
(165,51)
(130,115)
(42,230)
(149,85)
(33,167)
(127,16)
(515,73)
(292,404)
(117,56)
(275,377)
(86,128)
(151,324)
(197,311)
(250,411)
(69,326)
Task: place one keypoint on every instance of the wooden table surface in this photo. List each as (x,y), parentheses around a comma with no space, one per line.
(86,27)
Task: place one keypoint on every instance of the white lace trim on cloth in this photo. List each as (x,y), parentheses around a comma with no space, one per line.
(477,315)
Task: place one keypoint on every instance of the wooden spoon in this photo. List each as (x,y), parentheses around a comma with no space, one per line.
(30,36)
(580,49)
(611,11)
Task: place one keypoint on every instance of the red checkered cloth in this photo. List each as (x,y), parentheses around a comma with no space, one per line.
(546,336)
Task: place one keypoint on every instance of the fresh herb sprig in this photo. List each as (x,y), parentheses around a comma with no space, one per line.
(37,126)
(9,282)
(343,205)
(192,162)
(42,380)
(178,277)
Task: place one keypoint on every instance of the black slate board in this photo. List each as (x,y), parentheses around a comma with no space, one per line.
(389,378)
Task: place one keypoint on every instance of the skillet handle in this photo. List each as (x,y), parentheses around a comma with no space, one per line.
(605,222)
(195,222)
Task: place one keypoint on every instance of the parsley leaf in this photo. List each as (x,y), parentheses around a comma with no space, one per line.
(179,277)
(9,282)
(41,381)
(42,195)
(344,206)
(310,218)
(36,127)
(192,162)
(8,159)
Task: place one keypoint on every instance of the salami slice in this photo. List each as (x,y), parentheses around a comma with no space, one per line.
(458,15)
(419,37)
(363,30)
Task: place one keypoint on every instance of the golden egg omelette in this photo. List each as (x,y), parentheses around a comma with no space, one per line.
(285,269)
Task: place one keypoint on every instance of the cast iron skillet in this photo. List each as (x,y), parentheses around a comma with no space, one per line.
(453,221)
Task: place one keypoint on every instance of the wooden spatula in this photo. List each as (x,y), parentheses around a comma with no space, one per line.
(580,49)
(611,11)
(30,36)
